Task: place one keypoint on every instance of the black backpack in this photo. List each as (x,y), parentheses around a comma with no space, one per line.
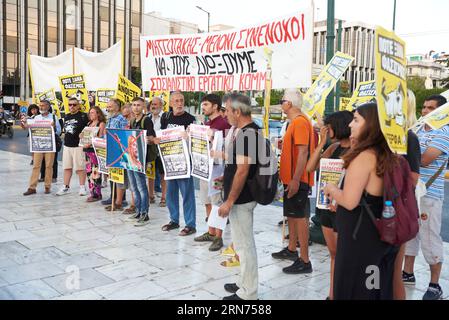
(264,184)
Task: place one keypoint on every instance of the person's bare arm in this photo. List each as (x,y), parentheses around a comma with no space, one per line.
(356,180)
(429,156)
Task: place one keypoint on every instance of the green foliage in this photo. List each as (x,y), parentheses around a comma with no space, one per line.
(416,83)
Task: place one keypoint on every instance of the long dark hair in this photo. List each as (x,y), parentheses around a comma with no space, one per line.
(372,138)
(339,122)
(100,114)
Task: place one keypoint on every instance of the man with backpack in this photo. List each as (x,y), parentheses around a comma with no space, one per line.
(138,180)
(239,202)
(298,144)
(435,150)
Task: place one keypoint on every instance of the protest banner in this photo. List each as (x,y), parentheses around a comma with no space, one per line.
(126,90)
(164,95)
(42,136)
(73,86)
(365,92)
(99,145)
(199,150)
(331,171)
(445,94)
(315,97)
(232,59)
(391,88)
(87,135)
(117,175)
(103,96)
(344,104)
(126,149)
(50,96)
(151,170)
(174,153)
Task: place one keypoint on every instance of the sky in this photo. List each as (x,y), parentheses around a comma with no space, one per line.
(424,25)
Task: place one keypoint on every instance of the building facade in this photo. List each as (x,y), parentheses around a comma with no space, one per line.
(357,40)
(50,27)
(155,24)
(435,74)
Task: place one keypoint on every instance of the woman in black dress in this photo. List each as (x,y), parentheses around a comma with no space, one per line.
(364,264)
(336,128)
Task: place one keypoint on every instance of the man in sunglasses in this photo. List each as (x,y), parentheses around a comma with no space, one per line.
(73,155)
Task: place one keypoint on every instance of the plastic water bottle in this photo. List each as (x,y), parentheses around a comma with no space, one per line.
(389,223)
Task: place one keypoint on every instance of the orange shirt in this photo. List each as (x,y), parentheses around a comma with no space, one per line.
(299,132)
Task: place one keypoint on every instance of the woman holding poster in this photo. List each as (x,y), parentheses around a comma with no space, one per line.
(363,258)
(336,128)
(96,120)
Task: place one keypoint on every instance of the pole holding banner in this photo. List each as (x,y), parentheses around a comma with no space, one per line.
(267,101)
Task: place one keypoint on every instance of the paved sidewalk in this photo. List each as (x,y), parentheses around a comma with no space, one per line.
(43,237)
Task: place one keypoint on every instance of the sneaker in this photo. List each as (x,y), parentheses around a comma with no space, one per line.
(217,244)
(134,217)
(232,297)
(64,190)
(206,237)
(433,293)
(285,254)
(231,287)
(107,202)
(144,220)
(298,267)
(83,191)
(408,279)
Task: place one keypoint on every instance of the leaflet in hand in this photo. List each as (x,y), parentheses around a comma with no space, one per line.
(331,171)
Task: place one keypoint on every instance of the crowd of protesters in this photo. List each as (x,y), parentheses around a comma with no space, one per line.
(355,137)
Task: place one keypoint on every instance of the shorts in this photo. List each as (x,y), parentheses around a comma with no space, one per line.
(204,195)
(297,206)
(327,219)
(73,158)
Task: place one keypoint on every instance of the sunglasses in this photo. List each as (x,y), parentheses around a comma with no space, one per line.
(282,101)
(73,104)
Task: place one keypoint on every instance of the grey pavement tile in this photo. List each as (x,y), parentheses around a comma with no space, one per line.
(31,290)
(128,269)
(181,279)
(38,255)
(77,280)
(81,295)
(15,235)
(32,271)
(131,289)
(170,261)
(124,253)
(82,261)
(81,247)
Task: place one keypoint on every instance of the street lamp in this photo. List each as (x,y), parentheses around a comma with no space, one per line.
(208,17)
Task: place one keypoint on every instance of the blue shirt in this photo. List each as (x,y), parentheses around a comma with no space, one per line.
(117,122)
(438,139)
(49,116)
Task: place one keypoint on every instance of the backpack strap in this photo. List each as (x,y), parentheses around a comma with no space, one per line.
(436,175)
(364,205)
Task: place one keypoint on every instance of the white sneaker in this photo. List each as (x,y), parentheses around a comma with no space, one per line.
(83,191)
(64,190)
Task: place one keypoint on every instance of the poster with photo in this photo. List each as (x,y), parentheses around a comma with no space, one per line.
(331,171)
(100,151)
(126,149)
(42,137)
(174,153)
(87,135)
(202,164)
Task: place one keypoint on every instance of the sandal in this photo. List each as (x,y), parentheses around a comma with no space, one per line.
(162,204)
(231,262)
(153,199)
(170,226)
(187,231)
(130,210)
(116,208)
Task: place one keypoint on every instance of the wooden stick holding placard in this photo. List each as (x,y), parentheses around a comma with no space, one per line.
(112,197)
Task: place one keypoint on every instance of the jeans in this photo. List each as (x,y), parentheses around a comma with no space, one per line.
(138,184)
(157,182)
(241,219)
(188,196)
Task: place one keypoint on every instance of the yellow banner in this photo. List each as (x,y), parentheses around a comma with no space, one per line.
(391,88)
(117,175)
(438,118)
(164,95)
(315,97)
(151,170)
(74,86)
(50,96)
(126,90)
(344,104)
(365,92)
(103,96)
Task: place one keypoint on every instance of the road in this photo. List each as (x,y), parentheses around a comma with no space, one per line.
(19,144)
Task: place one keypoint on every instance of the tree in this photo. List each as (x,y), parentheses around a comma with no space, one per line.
(415,83)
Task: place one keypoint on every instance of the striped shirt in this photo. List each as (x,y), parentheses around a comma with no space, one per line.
(117,122)
(438,139)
